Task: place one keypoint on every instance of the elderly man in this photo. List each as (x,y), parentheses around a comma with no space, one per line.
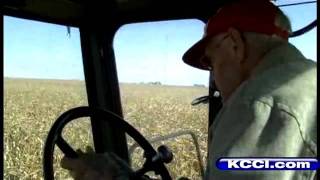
(268,89)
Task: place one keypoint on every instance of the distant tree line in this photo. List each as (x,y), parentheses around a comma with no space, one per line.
(199,85)
(159,83)
(155,83)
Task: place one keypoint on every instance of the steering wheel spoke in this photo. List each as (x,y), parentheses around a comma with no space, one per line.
(66,148)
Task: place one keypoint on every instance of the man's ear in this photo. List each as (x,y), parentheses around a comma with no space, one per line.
(238,44)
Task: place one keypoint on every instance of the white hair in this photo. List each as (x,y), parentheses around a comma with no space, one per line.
(262,41)
(282,21)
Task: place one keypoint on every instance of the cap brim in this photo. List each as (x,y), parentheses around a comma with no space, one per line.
(195,54)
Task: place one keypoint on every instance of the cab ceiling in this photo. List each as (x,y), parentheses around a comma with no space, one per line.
(75,12)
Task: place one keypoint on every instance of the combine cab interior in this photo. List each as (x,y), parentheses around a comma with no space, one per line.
(98,22)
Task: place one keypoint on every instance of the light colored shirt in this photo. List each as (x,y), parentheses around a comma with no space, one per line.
(272,114)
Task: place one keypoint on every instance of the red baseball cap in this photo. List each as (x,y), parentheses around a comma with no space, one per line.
(246,16)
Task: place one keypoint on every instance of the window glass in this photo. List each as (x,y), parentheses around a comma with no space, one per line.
(43,77)
(157,89)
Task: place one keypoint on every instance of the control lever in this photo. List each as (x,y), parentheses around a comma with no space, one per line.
(164,155)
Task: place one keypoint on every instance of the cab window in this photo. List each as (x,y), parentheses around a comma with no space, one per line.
(43,77)
(157,89)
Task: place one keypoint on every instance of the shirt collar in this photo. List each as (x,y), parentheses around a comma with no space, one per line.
(281,54)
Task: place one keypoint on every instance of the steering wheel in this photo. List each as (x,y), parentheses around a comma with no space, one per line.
(154,160)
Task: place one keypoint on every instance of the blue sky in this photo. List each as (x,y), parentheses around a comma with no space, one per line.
(144,51)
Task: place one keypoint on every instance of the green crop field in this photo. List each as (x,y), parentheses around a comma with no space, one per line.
(31,106)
